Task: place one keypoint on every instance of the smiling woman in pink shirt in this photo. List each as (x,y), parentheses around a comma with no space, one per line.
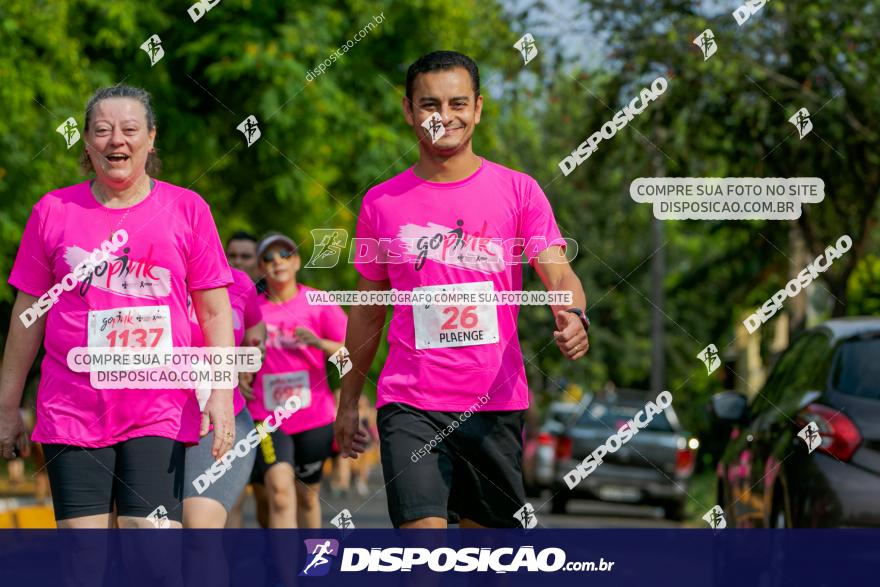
(122,447)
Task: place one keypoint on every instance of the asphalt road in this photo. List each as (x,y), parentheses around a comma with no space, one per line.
(371,511)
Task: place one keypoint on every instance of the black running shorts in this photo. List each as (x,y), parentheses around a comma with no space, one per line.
(449,465)
(305,451)
(139,474)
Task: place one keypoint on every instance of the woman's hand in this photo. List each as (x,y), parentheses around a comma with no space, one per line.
(246,384)
(13,435)
(219,413)
(308,337)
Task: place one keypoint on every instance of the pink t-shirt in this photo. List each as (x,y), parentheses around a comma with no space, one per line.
(245,314)
(473,232)
(173,248)
(292,367)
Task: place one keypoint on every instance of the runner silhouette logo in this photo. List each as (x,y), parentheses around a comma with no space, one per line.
(706,43)
(801,121)
(810,435)
(153,48)
(343,520)
(319,552)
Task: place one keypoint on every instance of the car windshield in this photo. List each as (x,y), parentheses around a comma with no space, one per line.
(857,371)
(614,415)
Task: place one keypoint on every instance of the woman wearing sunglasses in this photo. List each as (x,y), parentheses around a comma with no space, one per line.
(300,337)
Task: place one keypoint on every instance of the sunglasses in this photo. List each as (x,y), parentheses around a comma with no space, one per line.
(269,257)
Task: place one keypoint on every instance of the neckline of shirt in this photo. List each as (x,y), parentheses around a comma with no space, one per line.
(153,189)
(449,184)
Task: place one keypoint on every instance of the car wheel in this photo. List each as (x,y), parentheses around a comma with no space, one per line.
(559,504)
(674,511)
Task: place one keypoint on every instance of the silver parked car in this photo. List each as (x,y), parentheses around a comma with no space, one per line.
(539,454)
(653,467)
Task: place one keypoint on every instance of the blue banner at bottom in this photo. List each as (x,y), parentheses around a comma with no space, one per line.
(150,558)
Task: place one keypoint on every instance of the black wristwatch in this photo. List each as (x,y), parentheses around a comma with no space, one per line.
(583,316)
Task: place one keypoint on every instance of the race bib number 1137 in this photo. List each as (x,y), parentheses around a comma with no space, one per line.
(133,327)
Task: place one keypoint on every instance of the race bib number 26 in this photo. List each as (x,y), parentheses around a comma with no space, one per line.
(445,325)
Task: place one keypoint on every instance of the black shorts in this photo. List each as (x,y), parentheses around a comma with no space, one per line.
(139,475)
(472,469)
(305,451)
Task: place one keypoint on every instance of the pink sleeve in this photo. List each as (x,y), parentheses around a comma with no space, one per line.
(366,246)
(206,265)
(252,313)
(333,323)
(538,226)
(32,271)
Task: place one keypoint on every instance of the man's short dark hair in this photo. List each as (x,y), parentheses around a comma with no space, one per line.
(438,61)
(242,235)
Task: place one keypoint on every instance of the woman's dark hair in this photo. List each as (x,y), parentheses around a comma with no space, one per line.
(154,165)
(441,60)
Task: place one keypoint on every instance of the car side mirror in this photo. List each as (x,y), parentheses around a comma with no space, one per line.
(729,406)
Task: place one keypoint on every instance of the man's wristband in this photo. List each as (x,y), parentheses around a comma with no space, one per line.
(583,316)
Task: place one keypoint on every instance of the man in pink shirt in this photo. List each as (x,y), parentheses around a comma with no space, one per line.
(453,391)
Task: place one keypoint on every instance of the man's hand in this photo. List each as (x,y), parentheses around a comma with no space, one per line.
(352,440)
(13,435)
(571,338)
(218,413)
(246,385)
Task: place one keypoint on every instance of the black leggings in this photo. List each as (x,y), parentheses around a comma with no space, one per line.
(141,475)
